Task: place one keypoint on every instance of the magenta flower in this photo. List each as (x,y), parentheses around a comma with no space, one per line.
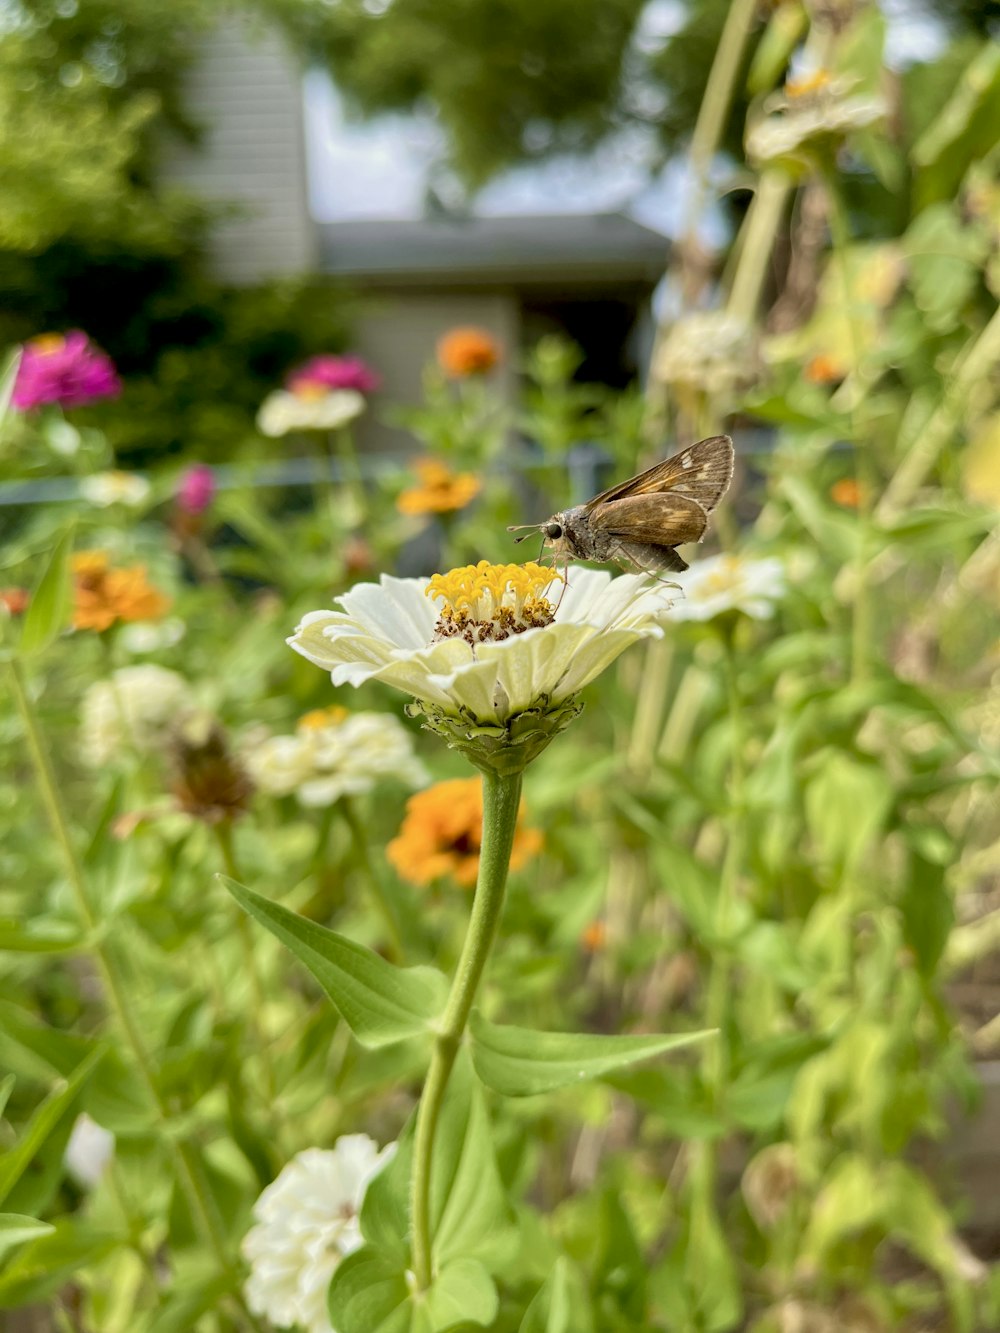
(196,489)
(333,372)
(66,369)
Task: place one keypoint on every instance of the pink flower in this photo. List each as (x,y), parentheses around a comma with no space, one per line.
(333,372)
(66,369)
(196,489)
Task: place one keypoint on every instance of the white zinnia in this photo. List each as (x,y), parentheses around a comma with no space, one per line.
(134,709)
(489,665)
(108,488)
(306,1222)
(335,754)
(730,583)
(282,412)
(89,1151)
(830,107)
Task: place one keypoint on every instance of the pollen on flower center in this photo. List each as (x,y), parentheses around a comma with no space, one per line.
(486,603)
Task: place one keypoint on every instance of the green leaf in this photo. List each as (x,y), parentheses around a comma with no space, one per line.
(847,802)
(927,910)
(470,1215)
(45,1263)
(14,1163)
(49,608)
(8,375)
(562,1305)
(6,1088)
(379,1002)
(371,1294)
(15,1229)
(520,1062)
(39,936)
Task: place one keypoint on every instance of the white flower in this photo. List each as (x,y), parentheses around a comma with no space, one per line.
(151,636)
(133,709)
(809,108)
(335,754)
(89,1151)
(282,412)
(306,1222)
(730,583)
(108,488)
(494,645)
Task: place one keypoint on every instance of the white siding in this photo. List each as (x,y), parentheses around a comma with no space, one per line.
(245,93)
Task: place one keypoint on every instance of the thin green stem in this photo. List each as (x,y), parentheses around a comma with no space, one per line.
(394,942)
(188,1167)
(501,798)
(224,837)
(756,243)
(862,621)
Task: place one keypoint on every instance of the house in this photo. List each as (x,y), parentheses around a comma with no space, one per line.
(590,275)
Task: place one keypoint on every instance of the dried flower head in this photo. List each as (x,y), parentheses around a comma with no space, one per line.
(105,595)
(209,783)
(442,833)
(467,351)
(440,490)
(66,369)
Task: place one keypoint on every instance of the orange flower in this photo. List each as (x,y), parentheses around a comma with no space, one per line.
(846,492)
(825,369)
(105,595)
(467,351)
(15,600)
(440,490)
(594,936)
(442,832)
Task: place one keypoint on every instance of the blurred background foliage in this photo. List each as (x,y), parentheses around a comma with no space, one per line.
(783,824)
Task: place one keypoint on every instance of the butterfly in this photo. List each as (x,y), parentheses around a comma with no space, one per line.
(641,522)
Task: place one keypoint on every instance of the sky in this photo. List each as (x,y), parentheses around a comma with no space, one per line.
(380,169)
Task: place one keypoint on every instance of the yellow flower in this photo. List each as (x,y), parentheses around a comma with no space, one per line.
(103,595)
(467,351)
(442,833)
(440,490)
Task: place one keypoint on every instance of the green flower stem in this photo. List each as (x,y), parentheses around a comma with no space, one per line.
(756,243)
(501,799)
(224,836)
(716,102)
(394,942)
(188,1167)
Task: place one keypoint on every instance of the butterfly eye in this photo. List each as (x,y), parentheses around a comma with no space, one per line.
(553,530)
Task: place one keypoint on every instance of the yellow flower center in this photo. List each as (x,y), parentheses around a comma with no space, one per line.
(309,391)
(728,575)
(319,718)
(486,603)
(47,344)
(808,83)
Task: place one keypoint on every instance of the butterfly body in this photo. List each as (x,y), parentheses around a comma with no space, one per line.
(640,522)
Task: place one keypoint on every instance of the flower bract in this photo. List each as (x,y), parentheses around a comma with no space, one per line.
(305,1222)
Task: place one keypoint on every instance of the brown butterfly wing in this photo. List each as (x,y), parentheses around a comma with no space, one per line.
(667,519)
(701,472)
